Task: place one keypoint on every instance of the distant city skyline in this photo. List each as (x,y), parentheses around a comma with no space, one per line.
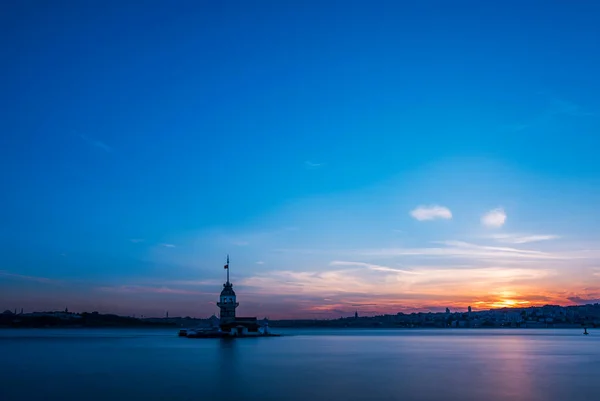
(390,157)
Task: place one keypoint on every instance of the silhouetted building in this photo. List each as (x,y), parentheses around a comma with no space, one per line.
(356,315)
(227,301)
(227,305)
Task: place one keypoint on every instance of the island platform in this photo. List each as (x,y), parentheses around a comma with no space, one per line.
(228,325)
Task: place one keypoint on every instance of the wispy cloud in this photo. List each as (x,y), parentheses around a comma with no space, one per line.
(260,262)
(584,301)
(136,289)
(522,238)
(311,165)
(167,245)
(96,143)
(291,282)
(208,283)
(432,212)
(372,267)
(136,240)
(517,127)
(562,106)
(556,107)
(465,250)
(494,218)
(367,283)
(27,278)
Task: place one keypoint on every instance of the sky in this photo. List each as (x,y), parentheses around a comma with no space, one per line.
(378,157)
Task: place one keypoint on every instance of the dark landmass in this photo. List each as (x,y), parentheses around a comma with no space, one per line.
(75,320)
(548,316)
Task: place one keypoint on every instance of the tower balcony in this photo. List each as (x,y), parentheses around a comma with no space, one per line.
(226,304)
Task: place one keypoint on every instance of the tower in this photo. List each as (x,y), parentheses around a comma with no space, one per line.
(227,301)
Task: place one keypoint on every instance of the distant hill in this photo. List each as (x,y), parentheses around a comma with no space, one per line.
(65,319)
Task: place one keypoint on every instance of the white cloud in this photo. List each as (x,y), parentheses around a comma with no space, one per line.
(494,218)
(431,213)
(260,262)
(522,238)
(168,245)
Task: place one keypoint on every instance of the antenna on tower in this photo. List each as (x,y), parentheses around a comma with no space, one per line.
(227,268)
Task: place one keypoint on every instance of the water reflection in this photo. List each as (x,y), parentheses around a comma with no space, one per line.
(227,366)
(352,365)
(509,366)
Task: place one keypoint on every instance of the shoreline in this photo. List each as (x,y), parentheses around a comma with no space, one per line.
(69,327)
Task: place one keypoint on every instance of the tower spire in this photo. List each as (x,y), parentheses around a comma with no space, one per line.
(227,268)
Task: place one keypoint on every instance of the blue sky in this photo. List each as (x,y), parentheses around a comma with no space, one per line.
(318,143)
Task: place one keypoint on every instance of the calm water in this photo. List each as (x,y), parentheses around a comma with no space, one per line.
(311,365)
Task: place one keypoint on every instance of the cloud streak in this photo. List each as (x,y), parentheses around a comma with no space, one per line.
(424,213)
(460,249)
(388,289)
(521,238)
(136,289)
(584,301)
(562,106)
(27,278)
(556,109)
(311,165)
(97,144)
(372,267)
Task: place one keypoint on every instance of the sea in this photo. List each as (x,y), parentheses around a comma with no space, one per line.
(302,365)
